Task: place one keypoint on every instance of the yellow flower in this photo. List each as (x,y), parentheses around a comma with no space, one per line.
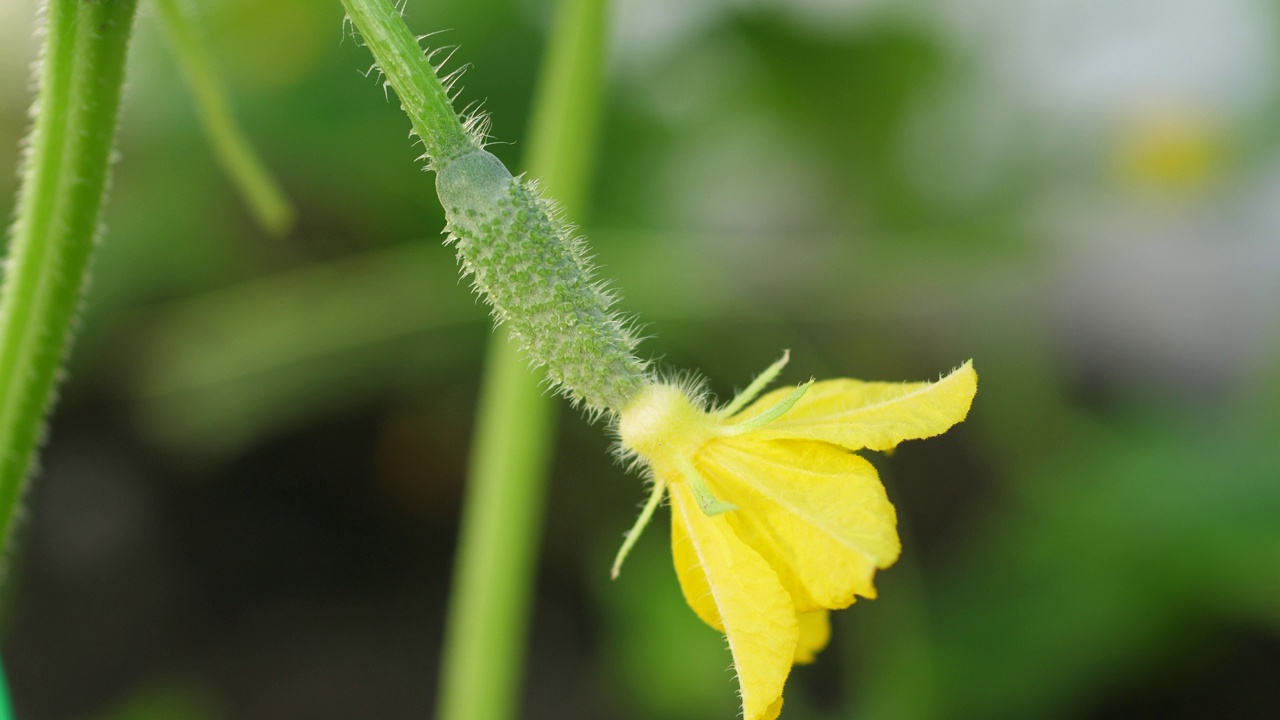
(774,520)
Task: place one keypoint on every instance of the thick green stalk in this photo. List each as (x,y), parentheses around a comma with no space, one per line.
(59,212)
(537,278)
(493,588)
(493,579)
(6,707)
(232,150)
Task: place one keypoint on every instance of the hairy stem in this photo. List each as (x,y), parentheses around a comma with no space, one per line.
(59,210)
(423,97)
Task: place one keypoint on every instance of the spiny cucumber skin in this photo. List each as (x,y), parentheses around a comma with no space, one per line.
(525,261)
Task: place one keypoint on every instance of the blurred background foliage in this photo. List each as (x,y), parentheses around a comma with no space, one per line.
(249,499)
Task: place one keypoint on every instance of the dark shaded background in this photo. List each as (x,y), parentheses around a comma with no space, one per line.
(249,500)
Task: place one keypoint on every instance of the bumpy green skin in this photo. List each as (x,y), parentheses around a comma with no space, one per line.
(527,264)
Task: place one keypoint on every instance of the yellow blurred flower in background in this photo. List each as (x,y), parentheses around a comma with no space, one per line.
(1170,150)
(774,520)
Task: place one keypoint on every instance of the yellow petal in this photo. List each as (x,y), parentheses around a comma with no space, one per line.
(815,633)
(689,570)
(872,415)
(818,514)
(749,600)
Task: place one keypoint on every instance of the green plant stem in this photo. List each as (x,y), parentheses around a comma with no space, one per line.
(422,96)
(493,584)
(492,587)
(247,171)
(59,212)
(6,706)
